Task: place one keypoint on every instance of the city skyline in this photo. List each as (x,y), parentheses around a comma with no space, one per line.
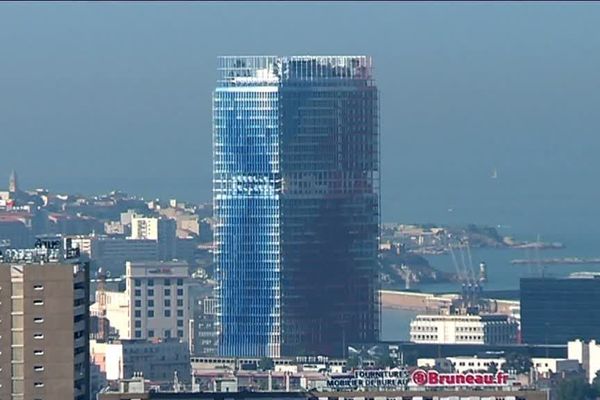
(299,200)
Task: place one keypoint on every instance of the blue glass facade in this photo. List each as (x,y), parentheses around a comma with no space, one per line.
(296,200)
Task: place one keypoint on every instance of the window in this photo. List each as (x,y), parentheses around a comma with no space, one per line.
(180,313)
(179,322)
(179,292)
(167,303)
(151,333)
(150,313)
(138,314)
(38,320)
(38,352)
(167,333)
(38,302)
(138,303)
(179,303)
(180,333)
(138,324)
(167,292)
(150,282)
(150,303)
(38,368)
(138,334)
(138,292)
(38,384)
(180,282)
(167,282)
(38,287)
(150,292)
(138,283)
(167,313)
(38,335)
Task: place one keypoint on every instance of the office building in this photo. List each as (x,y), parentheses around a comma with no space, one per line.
(296,204)
(161,230)
(558,310)
(157,360)
(154,305)
(205,335)
(464,329)
(44,331)
(111,253)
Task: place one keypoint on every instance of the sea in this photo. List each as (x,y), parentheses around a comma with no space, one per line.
(502,275)
(531,198)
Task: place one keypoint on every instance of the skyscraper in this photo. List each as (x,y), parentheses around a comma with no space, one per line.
(296,202)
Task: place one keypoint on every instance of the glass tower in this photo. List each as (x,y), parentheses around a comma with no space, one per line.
(296,204)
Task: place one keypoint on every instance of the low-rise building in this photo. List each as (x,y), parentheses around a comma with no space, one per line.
(462,364)
(157,360)
(464,329)
(341,395)
(545,366)
(588,356)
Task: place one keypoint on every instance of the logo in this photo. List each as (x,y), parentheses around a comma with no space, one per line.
(435,378)
(401,379)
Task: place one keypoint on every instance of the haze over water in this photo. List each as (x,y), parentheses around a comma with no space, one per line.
(103,96)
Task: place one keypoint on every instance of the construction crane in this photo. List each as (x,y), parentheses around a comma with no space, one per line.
(471,285)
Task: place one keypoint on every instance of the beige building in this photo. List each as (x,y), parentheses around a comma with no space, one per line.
(154,305)
(44,331)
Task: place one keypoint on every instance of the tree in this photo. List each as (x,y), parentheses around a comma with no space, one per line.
(575,388)
(492,368)
(519,363)
(266,364)
(596,383)
(385,361)
(352,362)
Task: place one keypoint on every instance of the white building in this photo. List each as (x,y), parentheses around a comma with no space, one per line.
(155,304)
(464,329)
(587,354)
(545,366)
(143,228)
(464,364)
(461,364)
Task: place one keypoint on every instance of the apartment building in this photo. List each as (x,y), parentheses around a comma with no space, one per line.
(44,331)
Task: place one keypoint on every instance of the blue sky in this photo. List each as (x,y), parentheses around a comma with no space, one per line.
(96,96)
